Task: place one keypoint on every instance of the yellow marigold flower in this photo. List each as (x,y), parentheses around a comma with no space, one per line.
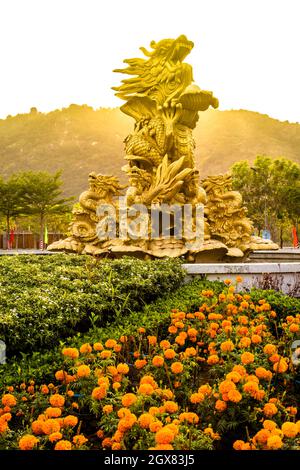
(158,361)
(234,396)
(145,389)
(28,442)
(247,358)
(274,442)
(99,392)
(50,425)
(70,421)
(176,367)
(55,436)
(128,399)
(8,400)
(196,398)
(122,368)
(63,445)
(57,400)
(220,405)
(140,363)
(171,406)
(79,440)
(152,340)
(83,371)
(105,354)
(227,346)
(44,389)
(53,412)
(270,410)
(73,353)
(281,366)
(270,349)
(213,359)
(86,348)
(155,426)
(164,436)
(145,420)
(289,429)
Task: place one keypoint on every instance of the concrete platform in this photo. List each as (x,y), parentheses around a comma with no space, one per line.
(283,277)
(290,255)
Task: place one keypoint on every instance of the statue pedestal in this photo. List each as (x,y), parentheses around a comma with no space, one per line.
(283,277)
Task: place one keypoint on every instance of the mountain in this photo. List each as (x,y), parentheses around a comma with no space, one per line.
(79,139)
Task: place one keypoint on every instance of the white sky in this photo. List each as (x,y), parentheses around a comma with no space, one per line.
(57,52)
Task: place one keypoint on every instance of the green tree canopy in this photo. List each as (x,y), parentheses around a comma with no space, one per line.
(11,198)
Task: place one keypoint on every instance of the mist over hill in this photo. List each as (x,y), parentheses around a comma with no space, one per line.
(79,139)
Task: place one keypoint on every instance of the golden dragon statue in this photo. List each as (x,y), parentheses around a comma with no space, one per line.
(162,98)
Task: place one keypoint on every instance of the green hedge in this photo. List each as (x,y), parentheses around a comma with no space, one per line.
(47,298)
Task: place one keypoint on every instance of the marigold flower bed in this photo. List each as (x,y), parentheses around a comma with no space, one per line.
(221,378)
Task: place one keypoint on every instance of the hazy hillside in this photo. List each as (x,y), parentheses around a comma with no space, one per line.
(79,139)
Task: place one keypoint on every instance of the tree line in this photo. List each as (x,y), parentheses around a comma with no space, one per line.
(271,192)
(32,194)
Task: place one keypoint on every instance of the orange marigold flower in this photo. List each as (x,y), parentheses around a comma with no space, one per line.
(294,328)
(28,442)
(99,392)
(176,367)
(107,409)
(140,363)
(152,340)
(122,368)
(53,412)
(292,410)
(189,417)
(155,426)
(145,420)
(8,400)
(116,385)
(37,427)
(118,348)
(247,358)
(171,406)
(158,361)
(73,353)
(123,339)
(256,339)
(262,436)
(128,399)
(110,343)
(227,346)
(227,281)
(235,377)
(98,346)
(165,344)
(105,354)
(226,386)
(169,353)
(145,389)
(270,349)
(205,389)
(270,410)
(289,429)
(112,370)
(239,279)
(70,421)
(55,436)
(164,436)
(263,373)
(196,398)
(213,359)
(274,442)
(50,425)
(141,330)
(86,348)
(63,445)
(60,375)
(79,440)
(83,371)
(44,389)
(220,405)
(238,445)
(234,396)
(172,329)
(270,425)
(57,400)
(281,366)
